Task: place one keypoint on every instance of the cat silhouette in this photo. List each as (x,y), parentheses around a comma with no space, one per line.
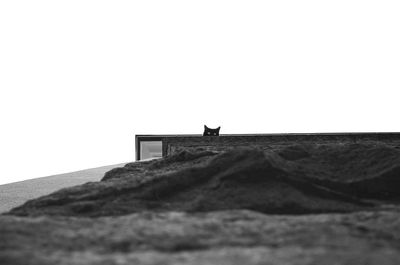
(211,132)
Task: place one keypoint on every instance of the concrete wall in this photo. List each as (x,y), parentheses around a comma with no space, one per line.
(175,144)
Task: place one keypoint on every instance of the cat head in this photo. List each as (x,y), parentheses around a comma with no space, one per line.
(211,132)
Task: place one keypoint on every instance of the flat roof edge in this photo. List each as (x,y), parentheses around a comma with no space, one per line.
(272,134)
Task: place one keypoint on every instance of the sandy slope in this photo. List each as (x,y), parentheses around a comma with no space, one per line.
(14,194)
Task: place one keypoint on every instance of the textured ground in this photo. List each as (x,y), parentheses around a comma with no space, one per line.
(293,204)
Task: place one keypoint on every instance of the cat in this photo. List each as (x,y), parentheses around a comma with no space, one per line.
(211,132)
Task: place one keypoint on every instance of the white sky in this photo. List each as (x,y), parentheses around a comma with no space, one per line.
(78,79)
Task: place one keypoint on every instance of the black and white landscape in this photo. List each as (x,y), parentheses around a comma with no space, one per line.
(314,203)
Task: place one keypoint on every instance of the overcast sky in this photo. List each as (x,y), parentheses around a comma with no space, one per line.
(79,79)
